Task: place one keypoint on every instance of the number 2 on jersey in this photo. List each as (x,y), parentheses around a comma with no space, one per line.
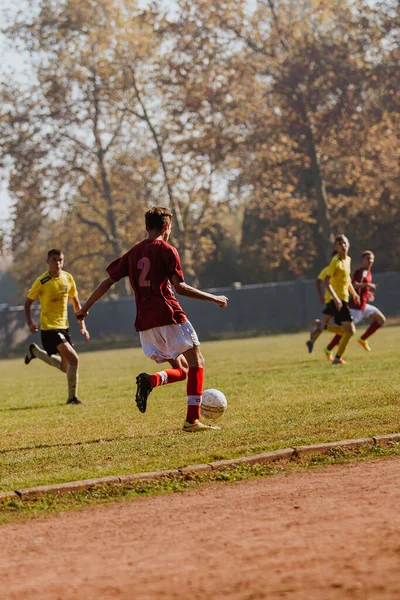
(144,267)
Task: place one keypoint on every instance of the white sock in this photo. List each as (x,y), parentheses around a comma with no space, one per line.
(53,360)
(72,378)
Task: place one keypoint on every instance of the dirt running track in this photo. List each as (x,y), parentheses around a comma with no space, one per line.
(332,534)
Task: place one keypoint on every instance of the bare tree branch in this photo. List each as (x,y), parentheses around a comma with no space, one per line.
(97,226)
(173,201)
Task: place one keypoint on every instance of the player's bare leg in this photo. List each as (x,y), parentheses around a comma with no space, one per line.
(317,328)
(34,351)
(69,365)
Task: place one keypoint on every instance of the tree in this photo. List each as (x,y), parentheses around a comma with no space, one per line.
(284,114)
(298,100)
(98,134)
(68,140)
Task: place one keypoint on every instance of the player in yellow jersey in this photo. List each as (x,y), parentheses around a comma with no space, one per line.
(338,282)
(328,312)
(362,282)
(53,288)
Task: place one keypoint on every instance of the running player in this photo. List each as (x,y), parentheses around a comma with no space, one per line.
(328,312)
(338,282)
(53,288)
(362,282)
(165,333)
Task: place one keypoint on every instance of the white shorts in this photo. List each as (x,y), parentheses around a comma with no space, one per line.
(165,343)
(359,315)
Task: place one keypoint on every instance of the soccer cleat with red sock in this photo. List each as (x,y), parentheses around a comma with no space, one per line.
(143,389)
(364,344)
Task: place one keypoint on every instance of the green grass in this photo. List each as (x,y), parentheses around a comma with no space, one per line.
(15,509)
(278,396)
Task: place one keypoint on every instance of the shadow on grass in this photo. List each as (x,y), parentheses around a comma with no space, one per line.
(14,408)
(36,407)
(67,445)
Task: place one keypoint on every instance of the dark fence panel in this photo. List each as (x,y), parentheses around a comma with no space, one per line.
(272,307)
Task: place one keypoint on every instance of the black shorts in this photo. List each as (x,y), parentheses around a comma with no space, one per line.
(51,338)
(343,315)
(329,309)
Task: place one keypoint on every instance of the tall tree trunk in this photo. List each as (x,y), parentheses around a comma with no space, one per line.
(113,235)
(324,238)
(180,229)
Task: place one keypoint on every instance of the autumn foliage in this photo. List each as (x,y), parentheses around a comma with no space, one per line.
(266,127)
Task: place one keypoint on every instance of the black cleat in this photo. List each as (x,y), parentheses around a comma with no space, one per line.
(143,390)
(30,356)
(74,401)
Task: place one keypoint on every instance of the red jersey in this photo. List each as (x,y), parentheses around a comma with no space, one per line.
(361,276)
(150,266)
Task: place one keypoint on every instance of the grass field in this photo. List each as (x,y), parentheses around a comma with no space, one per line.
(278,396)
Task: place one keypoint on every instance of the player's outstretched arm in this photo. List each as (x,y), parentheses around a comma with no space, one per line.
(31,324)
(360,286)
(183,289)
(98,293)
(77,306)
(319,286)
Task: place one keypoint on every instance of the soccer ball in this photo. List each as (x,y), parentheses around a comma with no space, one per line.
(213,405)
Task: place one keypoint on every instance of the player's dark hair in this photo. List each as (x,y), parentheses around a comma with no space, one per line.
(156,217)
(367,253)
(54,252)
(340,238)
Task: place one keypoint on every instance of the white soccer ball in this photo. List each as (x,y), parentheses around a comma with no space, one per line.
(213,405)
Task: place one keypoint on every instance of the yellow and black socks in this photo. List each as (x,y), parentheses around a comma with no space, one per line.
(344,342)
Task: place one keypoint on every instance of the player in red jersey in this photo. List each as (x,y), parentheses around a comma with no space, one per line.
(362,282)
(165,333)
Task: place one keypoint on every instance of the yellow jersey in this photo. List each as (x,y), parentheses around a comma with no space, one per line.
(53,294)
(321,276)
(339,270)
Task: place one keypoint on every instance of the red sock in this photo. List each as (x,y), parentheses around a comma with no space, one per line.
(167,376)
(194,393)
(334,341)
(371,329)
